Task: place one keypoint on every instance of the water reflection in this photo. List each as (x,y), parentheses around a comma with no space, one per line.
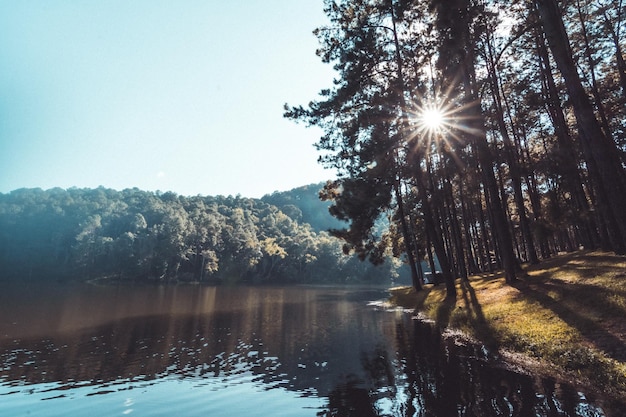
(318,343)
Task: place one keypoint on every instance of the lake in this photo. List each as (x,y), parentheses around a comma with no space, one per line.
(190,350)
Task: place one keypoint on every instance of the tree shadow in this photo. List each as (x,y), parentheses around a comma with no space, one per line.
(488,276)
(444,312)
(583,264)
(587,308)
(594,308)
(476,316)
(472,315)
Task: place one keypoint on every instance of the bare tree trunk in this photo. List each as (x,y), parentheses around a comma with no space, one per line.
(408,239)
(592,72)
(435,232)
(457,242)
(456,16)
(619,57)
(572,180)
(485,250)
(469,245)
(602,155)
(514,170)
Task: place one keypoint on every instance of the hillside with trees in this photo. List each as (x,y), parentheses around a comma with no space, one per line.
(480,134)
(134,235)
(489,133)
(303,204)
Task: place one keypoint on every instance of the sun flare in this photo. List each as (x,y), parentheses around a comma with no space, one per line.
(432,119)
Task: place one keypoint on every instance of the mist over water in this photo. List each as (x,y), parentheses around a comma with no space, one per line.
(81,349)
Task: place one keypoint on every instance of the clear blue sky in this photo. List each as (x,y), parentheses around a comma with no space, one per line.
(184,96)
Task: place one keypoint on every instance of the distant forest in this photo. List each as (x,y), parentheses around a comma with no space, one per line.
(490,133)
(134,235)
(480,134)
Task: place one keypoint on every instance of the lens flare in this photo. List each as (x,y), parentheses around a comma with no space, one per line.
(432,119)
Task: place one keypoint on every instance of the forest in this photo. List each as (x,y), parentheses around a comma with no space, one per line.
(467,136)
(135,235)
(489,133)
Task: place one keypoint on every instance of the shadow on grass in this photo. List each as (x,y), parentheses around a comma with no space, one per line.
(466,312)
(444,312)
(586,290)
(583,307)
(488,276)
(476,316)
(583,264)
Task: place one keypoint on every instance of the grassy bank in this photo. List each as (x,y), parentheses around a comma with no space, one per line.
(567,316)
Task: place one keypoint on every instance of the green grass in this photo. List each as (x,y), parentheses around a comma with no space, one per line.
(568,313)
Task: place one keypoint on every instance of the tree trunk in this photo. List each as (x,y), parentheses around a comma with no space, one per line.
(408,240)
(619,57)
(485,245)
(470,247)
(429,252)
(602,155)
(568,160)
(457,61)
(455,231)
(514,170)
(434,230)
(592,72)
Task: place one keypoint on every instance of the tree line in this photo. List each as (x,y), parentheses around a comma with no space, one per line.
(528,159)
(135,235)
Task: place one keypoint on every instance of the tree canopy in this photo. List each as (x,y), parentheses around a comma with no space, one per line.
(488,133)
(137,235)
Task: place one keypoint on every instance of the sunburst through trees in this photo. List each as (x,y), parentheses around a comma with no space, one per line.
(440,120)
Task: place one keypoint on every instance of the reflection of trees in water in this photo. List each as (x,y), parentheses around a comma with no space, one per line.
(366,363)
(281,335)
(349,399)
(434,376)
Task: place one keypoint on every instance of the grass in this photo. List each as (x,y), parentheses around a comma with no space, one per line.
(566,314)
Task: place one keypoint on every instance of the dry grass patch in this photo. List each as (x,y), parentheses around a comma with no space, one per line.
(567,311)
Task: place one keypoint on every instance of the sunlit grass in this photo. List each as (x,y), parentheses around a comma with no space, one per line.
(567,313)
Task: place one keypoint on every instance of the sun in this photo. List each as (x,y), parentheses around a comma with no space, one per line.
(434,123)
(432,119)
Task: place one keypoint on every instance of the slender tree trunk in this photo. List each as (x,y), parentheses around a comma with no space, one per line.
(619,57)
(429,252)
(434,230)
(435,234)
(514,170)
(416,246)
(500,225)
(455,16)
(455,231)
(592,72)
(544,246)
(486,241)
(469,246)
(408,240)
(602,155)
(568,160)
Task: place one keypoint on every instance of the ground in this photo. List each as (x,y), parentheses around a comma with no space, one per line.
(565,316)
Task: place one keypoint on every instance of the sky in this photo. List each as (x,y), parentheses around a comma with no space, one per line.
(184,96)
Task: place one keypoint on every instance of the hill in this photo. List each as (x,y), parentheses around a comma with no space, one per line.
(303,204)
(139,235)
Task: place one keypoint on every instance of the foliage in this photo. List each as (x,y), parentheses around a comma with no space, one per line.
(139,235)
(528,158)
(303,205)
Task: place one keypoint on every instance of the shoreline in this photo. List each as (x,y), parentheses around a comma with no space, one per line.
(564,319)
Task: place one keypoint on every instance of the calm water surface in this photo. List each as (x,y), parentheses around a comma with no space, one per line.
(87,350)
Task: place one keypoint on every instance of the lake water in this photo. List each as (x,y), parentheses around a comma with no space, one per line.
(88,350)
